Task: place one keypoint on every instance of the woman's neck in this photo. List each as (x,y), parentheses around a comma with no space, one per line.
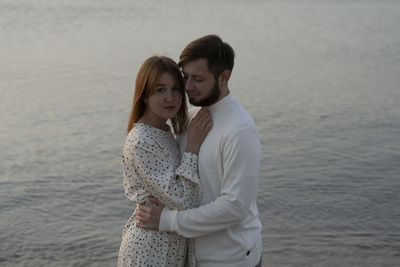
(154,122)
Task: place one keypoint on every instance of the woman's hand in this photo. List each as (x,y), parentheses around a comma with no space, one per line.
(198,130)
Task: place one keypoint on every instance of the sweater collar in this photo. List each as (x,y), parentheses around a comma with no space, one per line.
(221,103)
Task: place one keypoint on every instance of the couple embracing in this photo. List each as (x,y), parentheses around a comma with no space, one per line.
(195,186)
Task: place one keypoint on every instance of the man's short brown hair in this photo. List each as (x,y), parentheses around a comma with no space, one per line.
(220,56)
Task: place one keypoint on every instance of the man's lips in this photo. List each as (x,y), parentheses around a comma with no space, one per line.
(191,94)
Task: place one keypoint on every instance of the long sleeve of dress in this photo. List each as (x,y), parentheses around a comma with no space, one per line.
(147,170)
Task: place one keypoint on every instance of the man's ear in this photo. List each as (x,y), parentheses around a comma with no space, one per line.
(225,75)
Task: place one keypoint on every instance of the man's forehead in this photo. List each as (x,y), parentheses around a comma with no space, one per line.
(198,66)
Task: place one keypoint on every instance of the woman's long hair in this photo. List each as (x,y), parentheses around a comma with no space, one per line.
(146,80)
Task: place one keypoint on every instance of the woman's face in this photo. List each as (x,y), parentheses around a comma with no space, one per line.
(166,100)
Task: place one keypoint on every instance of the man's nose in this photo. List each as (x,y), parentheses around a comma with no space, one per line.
(189,84)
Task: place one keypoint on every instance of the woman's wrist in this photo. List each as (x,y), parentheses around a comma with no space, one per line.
(192,149)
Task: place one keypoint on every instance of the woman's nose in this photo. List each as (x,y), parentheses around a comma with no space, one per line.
(169,95)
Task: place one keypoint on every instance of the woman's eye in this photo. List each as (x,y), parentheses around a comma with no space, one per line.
(160,90)
(176,89)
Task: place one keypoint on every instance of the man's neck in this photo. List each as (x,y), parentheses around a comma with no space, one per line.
(224,92)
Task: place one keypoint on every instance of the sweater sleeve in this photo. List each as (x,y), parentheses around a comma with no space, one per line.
(145,168)
(241,162)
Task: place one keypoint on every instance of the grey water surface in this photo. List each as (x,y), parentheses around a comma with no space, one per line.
(320,78)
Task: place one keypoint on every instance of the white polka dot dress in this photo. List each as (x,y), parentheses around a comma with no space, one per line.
(152,167)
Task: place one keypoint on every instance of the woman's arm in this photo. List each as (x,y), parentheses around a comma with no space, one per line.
(145,169)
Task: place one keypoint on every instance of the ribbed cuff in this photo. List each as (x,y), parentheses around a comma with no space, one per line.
(188,167)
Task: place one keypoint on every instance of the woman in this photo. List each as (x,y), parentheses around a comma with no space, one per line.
(152,165)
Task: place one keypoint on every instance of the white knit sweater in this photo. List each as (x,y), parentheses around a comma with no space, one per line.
(226,226)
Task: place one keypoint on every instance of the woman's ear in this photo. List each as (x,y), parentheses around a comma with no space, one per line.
(145,100)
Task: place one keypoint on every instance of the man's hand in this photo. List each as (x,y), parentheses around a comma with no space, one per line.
(148,217)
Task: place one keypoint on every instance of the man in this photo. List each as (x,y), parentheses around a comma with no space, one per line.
(225,226)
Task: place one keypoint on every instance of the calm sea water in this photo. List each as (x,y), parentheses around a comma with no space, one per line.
(321,79)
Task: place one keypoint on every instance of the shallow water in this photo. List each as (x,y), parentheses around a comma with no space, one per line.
(321,79)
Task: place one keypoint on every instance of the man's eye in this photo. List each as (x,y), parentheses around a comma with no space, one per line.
(175,89)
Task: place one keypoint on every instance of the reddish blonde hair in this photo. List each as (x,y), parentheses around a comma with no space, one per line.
(146,80)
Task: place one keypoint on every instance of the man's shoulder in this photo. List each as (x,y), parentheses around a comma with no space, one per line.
(237,118)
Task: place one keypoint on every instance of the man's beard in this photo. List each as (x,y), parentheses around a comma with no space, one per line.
(210,99)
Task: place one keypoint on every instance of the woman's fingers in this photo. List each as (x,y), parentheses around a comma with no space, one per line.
(198,130)
(208,125)
(202,114)
(202,117)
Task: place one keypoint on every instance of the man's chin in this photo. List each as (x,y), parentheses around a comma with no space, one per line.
(207,101)
(195,102)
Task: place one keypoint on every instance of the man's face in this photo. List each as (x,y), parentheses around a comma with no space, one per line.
(200,85)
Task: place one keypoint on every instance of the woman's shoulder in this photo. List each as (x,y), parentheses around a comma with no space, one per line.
(141,134)
(147,138)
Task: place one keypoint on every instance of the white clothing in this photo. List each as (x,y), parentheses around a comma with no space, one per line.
(151,167)
(225,226)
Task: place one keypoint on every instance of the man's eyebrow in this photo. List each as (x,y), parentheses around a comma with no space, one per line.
(194,76)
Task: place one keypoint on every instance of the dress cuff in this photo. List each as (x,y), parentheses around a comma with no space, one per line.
(166,219)
(188,167)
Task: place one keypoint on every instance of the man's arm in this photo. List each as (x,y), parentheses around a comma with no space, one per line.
(241,162)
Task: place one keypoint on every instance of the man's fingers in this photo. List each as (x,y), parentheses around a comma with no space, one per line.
(156,201)
(148,217)
(141,225)
(143,208)
(139,218)
(146,226)
(153,199)
(145,220)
